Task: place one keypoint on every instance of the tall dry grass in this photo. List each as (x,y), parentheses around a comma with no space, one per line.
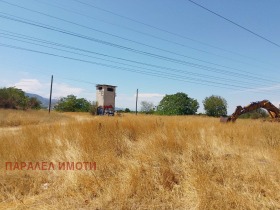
(14,118)
(144,162)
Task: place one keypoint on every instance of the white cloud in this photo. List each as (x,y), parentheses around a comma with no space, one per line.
(60,90)
(129,101)
(150,95)
(42,89)
(155,98)
(29,85)
(125,101)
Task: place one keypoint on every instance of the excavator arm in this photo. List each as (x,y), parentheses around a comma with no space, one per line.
(273,111)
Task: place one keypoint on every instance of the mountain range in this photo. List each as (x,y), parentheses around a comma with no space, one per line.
(44,101)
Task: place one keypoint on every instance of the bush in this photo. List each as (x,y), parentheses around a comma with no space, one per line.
(93,108)
(256,114)
(73,104)
(14,98)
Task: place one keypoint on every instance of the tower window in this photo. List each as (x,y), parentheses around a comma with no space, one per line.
(110,89)
(99,88)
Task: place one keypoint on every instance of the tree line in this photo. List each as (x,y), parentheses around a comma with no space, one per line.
(173,104)
(181,104)
(14,98)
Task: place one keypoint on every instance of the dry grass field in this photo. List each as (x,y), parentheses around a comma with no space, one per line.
(142,162)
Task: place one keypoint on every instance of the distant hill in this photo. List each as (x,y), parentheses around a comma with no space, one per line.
(44,101)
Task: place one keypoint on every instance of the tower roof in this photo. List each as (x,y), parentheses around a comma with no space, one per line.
(98,85)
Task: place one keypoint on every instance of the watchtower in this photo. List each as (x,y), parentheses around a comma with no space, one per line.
(105,96)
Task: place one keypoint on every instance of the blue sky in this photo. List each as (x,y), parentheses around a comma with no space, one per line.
(160,47)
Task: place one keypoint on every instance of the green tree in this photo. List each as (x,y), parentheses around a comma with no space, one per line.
(72,104)
(147,107)
(13,98)
(177,104)
(127,110)
(215,106)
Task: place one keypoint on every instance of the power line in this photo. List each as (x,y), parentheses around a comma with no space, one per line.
(113,35)
(44,26)
(78,49)
(234,23)
(234,87)
(156,37)
(172,77)
(161,72)
(175,77)
(46,75)
(157,74)
(148,53)
(154,27)
(60,80)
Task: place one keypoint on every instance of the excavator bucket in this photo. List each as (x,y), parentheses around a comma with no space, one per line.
(224,119)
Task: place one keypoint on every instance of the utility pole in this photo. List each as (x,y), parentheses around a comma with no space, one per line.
(136,100)
(50,101)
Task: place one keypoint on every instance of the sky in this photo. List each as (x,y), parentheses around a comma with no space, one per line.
(159,47)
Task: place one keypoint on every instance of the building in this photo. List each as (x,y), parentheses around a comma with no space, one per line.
(105,97)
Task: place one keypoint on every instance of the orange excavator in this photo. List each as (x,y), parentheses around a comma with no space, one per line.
(273,111)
